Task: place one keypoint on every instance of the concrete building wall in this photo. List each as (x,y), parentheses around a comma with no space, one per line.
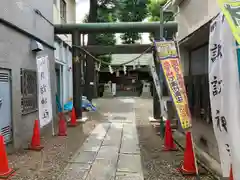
(184,60)
(63,54)
(56,12)
(71,11)
(70,17)
(15,53)
(22,14)
(193,35)
(193,14)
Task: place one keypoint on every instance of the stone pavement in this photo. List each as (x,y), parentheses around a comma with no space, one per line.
(111,152)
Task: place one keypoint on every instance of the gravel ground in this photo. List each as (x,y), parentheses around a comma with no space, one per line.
(49,163)
(156,165)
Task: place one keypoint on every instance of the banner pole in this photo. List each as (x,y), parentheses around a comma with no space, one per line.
(195,159)
(191,131)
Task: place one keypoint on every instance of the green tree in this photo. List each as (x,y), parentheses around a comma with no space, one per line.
(154,11)
(153,8)
(106,14)
(132,11)
(104,11)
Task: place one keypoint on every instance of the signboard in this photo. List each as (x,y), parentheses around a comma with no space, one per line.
(44,91)
(224,94)
(231,9)
(166,49)
(167,54)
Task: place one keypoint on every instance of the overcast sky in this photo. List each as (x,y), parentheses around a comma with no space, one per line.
(83,9)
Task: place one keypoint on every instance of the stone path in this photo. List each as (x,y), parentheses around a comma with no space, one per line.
(111,152)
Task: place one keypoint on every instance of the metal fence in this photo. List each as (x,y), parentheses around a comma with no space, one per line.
(29,101)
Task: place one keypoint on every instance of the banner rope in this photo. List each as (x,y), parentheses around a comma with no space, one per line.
(106,63)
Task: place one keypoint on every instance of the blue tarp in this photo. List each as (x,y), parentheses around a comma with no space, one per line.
(86,104)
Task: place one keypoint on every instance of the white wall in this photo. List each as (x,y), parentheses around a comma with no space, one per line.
(63,56)
(71,11)
(193,14)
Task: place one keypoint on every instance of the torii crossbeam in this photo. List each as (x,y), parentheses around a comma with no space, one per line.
(87,28)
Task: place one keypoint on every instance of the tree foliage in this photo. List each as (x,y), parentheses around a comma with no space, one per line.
(132,11)
(106,14)
(153,8)
(154,12)
(104,11)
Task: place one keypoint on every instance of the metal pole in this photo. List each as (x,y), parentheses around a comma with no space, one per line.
(77,90)
(90,73)
(161,22)
(156,101)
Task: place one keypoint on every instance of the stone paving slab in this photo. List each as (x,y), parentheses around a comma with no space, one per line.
(74,171)
(129,129)
(91,146)
(101,130)
(111,152)
(113,137)
(85,157)
(108,153)
(129,176)
(102,170)
(129,147)
(130,137)
(129,163)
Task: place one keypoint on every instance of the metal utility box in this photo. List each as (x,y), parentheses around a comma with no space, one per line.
(5,106)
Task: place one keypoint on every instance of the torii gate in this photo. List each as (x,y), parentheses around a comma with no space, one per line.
(87,28)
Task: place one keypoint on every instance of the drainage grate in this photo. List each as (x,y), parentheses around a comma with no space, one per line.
(119,118)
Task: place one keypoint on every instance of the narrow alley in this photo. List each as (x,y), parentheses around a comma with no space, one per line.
(122,145)
(119,89)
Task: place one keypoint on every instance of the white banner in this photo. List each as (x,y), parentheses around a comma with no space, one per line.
(157,84)
(44,91)
(232,94)
(224,93)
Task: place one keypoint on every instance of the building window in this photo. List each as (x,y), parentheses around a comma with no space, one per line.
(29,102)
(63,11)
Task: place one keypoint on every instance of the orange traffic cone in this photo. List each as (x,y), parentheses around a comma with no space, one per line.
(35,144)
(62,130)
(188,167)
(5,171)
(169,144)
(73,121)
(231,174)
